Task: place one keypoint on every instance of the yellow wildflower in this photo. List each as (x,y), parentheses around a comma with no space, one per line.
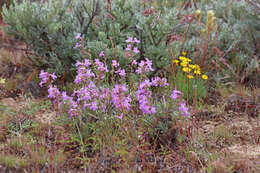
(190,76)
(175,61)
(188,59)
(184,53)
(197,72)
(2,80)
(191,66)
(205,77)
(182,58)
(186,69)
(197,67)
(184,64)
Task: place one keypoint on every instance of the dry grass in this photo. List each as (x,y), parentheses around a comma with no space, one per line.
(226,142)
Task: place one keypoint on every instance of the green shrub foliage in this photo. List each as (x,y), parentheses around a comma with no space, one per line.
(46,28)
(49,30)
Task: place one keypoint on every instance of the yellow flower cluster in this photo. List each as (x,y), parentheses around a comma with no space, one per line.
(187,67)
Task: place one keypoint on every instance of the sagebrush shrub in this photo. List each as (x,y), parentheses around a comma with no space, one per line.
(164,28)
(46,29)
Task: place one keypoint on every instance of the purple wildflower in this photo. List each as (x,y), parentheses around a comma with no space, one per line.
(83,73)
(129,47)
(140,67)
(78,63)
(76,45)
(93,106)
(65,97)
(183,109)
(104,96)
(144,95)
(148,66)
(78,79)
(89,73)
(134,62)
(115,63)
(100,66)
(44,76)
(175,94)
(53,92)
(104,93)
(78,36)
(101,54)
(136,40)
(119,98)
(129,40)
(87,62)
(121,72)
(73,109)
(120,117)
(144,66)
(139,70)
(136,50)
(163,82)
(157,81)
(53,76)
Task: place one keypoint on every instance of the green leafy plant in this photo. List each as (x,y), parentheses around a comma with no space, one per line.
(192,88)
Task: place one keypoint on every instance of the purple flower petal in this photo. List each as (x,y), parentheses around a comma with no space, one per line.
(175,94)
(136,40)
(184,109)
(78,36)
(136,50)
(129,47)
(134,62)
(115,63)
(120,117)
(76,45)
(101,54)
(129,40)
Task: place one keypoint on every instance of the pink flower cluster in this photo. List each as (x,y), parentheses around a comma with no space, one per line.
(83,71)
(119,71)
(131,44)
(45,76)
(77,37)
(175,94)
(144,97)
(182,108)
(144,94)
(101,54)
(118,99)
(144,66)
